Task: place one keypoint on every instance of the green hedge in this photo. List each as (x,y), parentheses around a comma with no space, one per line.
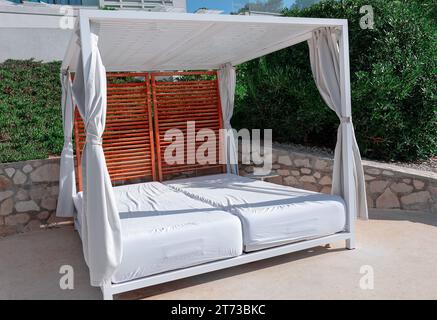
(30,112)
(393,74)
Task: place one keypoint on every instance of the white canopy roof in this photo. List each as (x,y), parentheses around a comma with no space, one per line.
(146,41)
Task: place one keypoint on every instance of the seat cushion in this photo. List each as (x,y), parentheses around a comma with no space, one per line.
(164,230)
(271,214)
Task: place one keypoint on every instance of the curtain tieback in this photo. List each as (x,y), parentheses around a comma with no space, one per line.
(227,125)
(345,119)
(67,140)
(64,72)
(94,140)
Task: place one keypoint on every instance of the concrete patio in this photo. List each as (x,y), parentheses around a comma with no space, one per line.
(400,247)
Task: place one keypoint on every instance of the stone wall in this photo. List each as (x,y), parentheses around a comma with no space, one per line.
(29,189)
(28,194)
(388,186)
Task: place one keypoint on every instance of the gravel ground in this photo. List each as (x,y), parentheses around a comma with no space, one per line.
(428,165)
(318,151)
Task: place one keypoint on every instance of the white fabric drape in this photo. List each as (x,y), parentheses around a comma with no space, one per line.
(227,83)
(325,65)
(101,230)
(67,182)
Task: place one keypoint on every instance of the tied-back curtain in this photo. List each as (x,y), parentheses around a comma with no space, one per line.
(67,182)
(227,83)
(101,230)
(325,65)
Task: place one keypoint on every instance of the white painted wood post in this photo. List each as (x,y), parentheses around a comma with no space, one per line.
(349,190)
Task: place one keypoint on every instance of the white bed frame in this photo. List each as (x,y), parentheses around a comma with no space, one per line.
(109,289)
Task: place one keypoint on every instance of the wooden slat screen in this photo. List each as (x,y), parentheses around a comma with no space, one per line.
(128,141)
(187,96)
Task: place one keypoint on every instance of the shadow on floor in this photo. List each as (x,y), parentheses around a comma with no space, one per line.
(412,216)
(225,273)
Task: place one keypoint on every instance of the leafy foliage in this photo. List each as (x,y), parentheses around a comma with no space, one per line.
(275,6)
(393,78)
(30,112)
(300,4)
(393,74)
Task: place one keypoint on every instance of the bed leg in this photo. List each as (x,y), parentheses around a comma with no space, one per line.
(107,292)
(350,243)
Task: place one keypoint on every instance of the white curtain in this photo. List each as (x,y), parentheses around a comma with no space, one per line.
(325,65)
(101,231)
(67,182)
(227,82)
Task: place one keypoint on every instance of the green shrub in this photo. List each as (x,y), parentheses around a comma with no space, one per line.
(393,78)
(30,112)
(393,74)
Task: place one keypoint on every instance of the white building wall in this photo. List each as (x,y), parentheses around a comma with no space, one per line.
(41,44)
(180,5)
(34,32)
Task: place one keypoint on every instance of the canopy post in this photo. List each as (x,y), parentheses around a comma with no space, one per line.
(349,190)
(85,50)
(85,40)
(227,82)
(101,229)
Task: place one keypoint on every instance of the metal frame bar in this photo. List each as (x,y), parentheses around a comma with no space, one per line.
(171,16)
(349,190)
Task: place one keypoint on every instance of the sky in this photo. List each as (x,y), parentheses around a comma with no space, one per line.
(225,5)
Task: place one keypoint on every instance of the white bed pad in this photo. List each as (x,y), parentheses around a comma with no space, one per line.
(271,214)
(165,230)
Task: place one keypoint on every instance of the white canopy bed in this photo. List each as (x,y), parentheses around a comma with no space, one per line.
(147,233)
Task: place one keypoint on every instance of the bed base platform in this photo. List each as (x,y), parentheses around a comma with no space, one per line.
(110,289)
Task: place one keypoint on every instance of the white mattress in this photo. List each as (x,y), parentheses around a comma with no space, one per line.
(271,214)
(165,230)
